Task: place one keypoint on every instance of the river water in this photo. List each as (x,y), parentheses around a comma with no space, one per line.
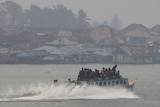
(32,86)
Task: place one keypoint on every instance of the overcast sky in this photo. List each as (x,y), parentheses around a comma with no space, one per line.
(144,12)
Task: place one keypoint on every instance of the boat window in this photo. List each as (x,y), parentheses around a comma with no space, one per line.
(113,82)
(121,82)
(88,83)
(109,83)
(104,83)
(125,81)
(100,83)
(117,82)
(91,83)
(96,83)
(78,83)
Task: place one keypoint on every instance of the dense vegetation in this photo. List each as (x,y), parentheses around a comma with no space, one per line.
(59,16)
(13,15)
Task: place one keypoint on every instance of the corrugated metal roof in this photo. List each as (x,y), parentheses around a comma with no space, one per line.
(135,51)
(64,50)
(72,50)
(31,53)
(51,50)
(62,41)
(104,51)
(66,34)
(154,39)
(111,41)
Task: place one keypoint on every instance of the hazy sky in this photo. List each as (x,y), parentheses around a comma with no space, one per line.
(144,12)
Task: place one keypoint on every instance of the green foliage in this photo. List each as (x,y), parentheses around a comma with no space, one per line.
(116,23)
(59,16)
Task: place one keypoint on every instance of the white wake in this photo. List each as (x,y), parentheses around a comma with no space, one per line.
(62,91)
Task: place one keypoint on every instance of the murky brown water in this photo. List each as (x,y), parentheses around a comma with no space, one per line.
(32,86)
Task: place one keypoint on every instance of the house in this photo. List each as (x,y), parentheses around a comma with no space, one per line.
(53,54)
(64,54)
(31,56)
(4,31)
(135,30)
(135,34)
(132,55)
(155,30)
(101,32)
(62,42)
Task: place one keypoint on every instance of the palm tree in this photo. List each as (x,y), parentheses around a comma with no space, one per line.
(82,16)
(116,23)
(83,19)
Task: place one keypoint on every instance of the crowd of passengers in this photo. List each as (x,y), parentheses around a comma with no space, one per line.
(106,73)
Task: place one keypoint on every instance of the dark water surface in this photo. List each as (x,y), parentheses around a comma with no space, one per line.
(32,86)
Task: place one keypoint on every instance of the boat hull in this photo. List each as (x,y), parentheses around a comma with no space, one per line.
(129,86)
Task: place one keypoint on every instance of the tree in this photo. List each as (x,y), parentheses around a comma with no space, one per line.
(116,23)
(35,16)
(82,16)
(13,12)
(63,18)
(105,23)
(83,19)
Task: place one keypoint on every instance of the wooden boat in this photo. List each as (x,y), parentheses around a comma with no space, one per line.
(109,78)
(120,82)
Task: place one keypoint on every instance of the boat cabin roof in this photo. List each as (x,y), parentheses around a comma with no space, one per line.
(106,82)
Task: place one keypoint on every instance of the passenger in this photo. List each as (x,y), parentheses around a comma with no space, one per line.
(102,71)
(93,74)
(97,73)
(90,74)
(80,76)
(109,73)
(106,69)
(85,74)
(118,74)
(109,69)
(114,72)
(73,81)
(114,67)
(106,73)
(69,80)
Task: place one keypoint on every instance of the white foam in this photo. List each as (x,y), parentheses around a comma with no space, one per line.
(62,91)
